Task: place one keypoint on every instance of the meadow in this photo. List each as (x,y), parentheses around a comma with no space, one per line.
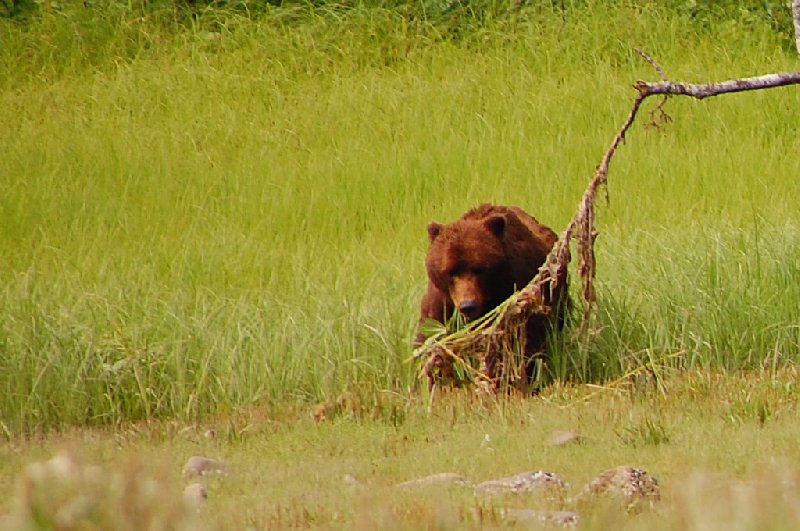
(220,220)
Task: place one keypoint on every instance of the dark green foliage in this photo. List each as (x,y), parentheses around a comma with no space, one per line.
(17,8)
(456,15)
(40,37)
(114,30)
(747,13)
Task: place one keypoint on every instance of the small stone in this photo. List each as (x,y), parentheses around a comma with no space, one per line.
(200,466)
(539,480)
(557,518)
(561,438)
(195,495)
(351,481)
(434,479)
(62,467)
(632,485)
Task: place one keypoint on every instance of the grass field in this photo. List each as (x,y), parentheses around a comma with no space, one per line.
(722,447)
(225,217)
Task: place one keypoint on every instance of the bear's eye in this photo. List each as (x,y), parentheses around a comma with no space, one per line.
(454,271)
(478,271)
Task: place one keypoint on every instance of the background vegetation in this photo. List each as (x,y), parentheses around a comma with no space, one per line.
(211,205)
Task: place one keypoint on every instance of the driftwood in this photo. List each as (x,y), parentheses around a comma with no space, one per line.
(796,17)
(484,352)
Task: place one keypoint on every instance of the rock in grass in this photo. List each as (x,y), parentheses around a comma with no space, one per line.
(631,485)
(562,438)
(556,518)
(61,467)
(350,480)
(443,478)
(352,483)
(548,483)
(64,493)
(195,495)
(201,466)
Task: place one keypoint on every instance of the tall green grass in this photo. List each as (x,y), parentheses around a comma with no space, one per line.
(196,217)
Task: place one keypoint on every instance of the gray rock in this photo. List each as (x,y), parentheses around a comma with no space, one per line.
(549,483)
(201,466)
(195,495)
(561,438)
(61,467)
(351,480)
(557,518)
(631,485)
(434,479)
(352,483)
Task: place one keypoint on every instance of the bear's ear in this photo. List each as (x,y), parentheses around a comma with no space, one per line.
(496,224)
(433,230)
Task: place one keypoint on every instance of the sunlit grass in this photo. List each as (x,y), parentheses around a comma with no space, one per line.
(234,213)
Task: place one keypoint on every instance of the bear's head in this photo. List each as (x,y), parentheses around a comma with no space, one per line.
(467,261)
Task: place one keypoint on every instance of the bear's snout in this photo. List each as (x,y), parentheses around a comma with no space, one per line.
(469,309)
(465,292)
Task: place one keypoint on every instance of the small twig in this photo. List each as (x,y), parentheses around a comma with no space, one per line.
(657,115)
(652,62)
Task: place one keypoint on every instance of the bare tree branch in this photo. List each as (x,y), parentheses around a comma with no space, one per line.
(706,90)
(652,62)
(796,17)
(488,340)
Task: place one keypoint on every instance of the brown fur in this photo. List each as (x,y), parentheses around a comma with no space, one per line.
(479,260)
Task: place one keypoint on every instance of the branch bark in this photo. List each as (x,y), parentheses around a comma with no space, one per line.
(706,90)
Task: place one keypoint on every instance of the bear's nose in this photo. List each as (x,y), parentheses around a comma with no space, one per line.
(469,309)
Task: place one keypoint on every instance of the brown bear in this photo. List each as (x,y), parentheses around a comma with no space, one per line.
(479,260)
